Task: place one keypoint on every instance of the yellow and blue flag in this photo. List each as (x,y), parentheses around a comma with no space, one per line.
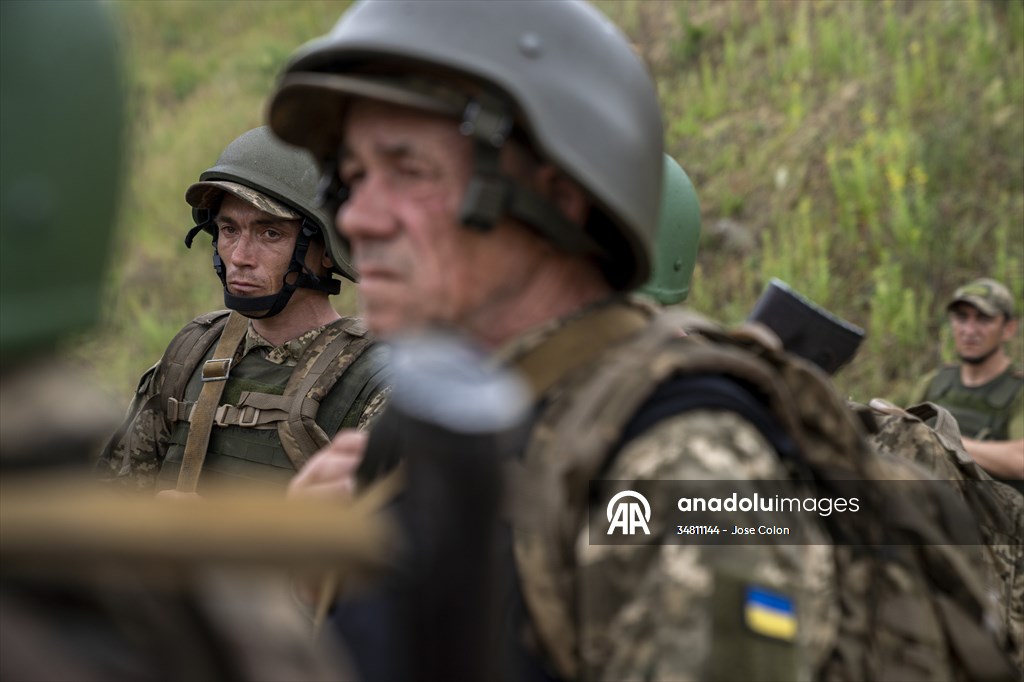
(770,614)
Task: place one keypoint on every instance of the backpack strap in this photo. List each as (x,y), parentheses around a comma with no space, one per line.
(318,370)
(578,344)
(185,351)
(173,370)
(215,374)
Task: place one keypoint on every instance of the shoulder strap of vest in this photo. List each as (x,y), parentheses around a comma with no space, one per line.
(944,380)
(178,363)
(1003,393)
(174,368)
(215,375)
(186,350)
(577,344)
(317,371)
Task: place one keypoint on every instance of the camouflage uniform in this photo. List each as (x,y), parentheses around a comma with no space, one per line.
(667,612)
(998,509)
(661,612)
(135,456)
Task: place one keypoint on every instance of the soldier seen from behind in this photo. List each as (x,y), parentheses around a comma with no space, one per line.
(984,391)
(481,194)
(246,395)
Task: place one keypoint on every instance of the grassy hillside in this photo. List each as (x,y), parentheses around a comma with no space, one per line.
(870,154)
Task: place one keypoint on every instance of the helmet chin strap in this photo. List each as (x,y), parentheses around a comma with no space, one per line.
(261,307)
(491,194)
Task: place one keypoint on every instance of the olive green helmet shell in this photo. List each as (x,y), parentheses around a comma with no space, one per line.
(282,172)
(578,91)
(61,124)
(675,246)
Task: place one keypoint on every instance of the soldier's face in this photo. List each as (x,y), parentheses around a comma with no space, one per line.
(407,172)
(256,248)
(978,336)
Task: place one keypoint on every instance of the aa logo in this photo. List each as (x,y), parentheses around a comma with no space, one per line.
(627,515)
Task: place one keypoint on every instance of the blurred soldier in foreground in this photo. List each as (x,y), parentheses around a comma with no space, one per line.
(985,392)
(481,194)
(247,396)
(95,586)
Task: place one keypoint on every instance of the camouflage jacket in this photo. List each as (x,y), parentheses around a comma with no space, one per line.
(662,610)
(135,454)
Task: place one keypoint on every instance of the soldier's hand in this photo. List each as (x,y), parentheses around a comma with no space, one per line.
(331,473)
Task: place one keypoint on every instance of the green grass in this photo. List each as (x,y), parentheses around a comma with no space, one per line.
(873,152)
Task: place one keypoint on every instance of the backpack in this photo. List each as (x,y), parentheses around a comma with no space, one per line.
(998,509)
(912,604)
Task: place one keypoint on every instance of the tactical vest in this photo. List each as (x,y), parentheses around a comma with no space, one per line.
(272,417)
(913,604)
(983,412)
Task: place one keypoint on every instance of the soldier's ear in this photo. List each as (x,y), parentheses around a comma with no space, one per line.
(1010,329)
(564,193)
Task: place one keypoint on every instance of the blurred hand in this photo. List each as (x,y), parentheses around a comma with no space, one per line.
(331,473)
(177,495)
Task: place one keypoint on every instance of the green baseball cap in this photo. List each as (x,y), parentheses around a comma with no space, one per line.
(987,295)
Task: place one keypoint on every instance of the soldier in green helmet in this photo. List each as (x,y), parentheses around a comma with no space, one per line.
(248,394)
(497,169)
(984,391)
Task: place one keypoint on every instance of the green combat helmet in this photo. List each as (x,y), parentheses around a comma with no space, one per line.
(61,117)
(256,160)
(675,245)
(587,105)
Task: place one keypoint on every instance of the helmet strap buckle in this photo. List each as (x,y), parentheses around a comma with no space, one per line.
(484,202)
(487,121)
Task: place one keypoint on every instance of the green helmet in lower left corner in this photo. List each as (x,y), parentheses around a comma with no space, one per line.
(677,238)
(61,131)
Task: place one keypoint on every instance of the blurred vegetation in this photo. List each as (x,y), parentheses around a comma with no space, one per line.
(869,154)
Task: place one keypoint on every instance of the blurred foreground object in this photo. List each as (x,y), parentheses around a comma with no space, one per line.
(453,422)
(677,238)
(92,586)
(61,122)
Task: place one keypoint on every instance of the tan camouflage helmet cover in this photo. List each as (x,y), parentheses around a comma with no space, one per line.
(987,295)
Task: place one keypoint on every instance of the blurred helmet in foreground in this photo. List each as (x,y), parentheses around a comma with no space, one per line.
(61,124)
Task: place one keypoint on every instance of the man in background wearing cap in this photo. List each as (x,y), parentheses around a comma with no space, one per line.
(247,395)
(984,391)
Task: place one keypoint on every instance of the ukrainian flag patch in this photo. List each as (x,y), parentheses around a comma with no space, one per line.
(770,614)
